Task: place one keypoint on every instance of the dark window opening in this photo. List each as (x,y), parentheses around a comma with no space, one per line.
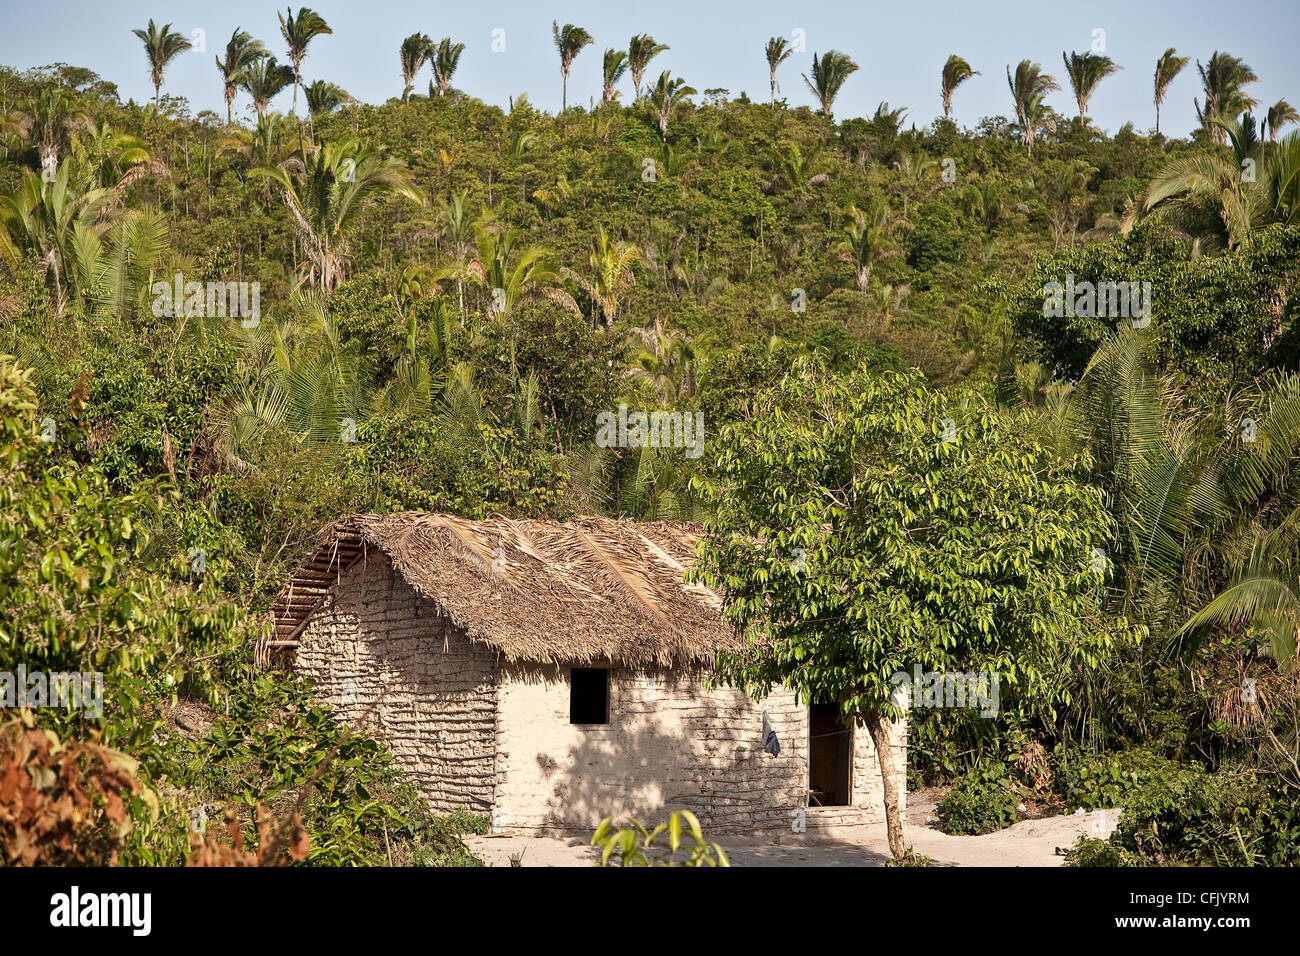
(830,757)
(589,695)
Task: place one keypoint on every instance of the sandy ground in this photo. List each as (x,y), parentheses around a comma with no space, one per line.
(1028,843)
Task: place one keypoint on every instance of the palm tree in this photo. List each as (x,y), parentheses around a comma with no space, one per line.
(568,43)
(1168,67)
(667,93)
(47,220)
(1086,70)
(47,121)
(777,52)
(161,46)
(955,72)
(510,277)
(110,157)
(263,79)
(445,61)
(326,188)
(640,51)
(241,52)
(828,75)
(614,70)
(1279,114)
(298,32)
(611,265)
(325,97)
(668,360)
(1028,88)
(413,52)
(866,240)
(1222,79)
(1175,489)
(1206,196)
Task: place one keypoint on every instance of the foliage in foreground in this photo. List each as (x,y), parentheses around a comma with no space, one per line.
(633,845)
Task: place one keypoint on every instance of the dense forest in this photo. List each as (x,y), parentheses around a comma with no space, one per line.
(1023,393)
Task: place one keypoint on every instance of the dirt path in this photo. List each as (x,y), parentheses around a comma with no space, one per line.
(1028,843)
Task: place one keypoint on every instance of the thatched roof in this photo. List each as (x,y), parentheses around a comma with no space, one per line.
(587,590)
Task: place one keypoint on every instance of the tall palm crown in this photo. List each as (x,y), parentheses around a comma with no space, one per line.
(161,46)
(241,52)
(1086,70)
(323,96)
(829,72)
(640,51)
(568,43)
(1028,87)
(333,183)
(955,72)
(615,67)
(1168,67)
(1222,80)
(1279,114)
(445,60)
(263,79)
(298,32)
(777,52)
(664,97)
(48,121)
(414,51)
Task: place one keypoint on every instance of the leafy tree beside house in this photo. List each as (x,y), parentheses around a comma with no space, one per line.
(867,524)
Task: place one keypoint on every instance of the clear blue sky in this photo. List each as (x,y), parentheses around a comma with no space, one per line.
(900,46)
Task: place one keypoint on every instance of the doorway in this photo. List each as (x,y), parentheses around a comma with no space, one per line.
(830,757)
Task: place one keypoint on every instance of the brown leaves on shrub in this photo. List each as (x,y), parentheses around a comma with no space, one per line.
(61,802)
(278,842)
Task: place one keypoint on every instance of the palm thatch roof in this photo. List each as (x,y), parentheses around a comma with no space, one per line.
(588,590)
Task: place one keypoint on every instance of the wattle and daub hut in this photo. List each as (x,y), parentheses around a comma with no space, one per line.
(550,674)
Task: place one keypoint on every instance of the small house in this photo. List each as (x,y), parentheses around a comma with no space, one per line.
(550,674)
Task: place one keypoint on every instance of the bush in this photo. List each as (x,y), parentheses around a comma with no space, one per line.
(983,801)
(1091,782)
(1194,818)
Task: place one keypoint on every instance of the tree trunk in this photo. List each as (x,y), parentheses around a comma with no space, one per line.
(878,727)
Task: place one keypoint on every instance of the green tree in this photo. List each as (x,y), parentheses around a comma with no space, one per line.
(955,72)
(568,43)
(640,51)
(161,46)
(1086,70)
(413,52)
(324,97)
(336,182)
(777,52)
(263,80)
(829,72)
(445,61)
(1222,79)
(872,525)
(1168,67)
(1028,87)
(241,52)
(664,97)
(298,32)
(615,68)
(1279,114)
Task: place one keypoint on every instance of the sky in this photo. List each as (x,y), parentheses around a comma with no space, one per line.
(900,47)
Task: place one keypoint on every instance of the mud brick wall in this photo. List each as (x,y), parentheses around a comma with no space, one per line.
(671,744)
(375,635)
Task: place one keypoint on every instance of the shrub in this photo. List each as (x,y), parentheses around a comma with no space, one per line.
(982,801)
